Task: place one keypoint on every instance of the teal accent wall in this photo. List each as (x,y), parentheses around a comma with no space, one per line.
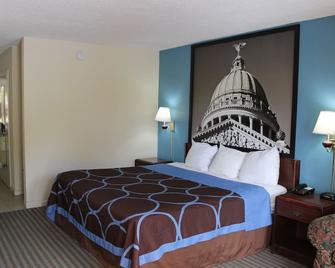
(174,92)
(316,91)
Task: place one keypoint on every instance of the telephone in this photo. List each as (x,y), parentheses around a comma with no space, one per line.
(328,195)
(303,189)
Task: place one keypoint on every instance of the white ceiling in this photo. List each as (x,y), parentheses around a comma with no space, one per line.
(149,23)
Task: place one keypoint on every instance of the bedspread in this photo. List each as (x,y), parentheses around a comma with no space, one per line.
(140,213)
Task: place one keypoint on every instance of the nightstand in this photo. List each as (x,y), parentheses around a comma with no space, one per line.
(150,161)
(293,213)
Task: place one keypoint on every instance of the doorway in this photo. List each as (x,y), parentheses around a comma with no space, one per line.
(8,200)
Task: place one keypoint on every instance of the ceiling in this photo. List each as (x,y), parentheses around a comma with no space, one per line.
(158,24)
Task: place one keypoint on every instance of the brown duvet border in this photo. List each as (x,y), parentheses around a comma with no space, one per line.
(202,255)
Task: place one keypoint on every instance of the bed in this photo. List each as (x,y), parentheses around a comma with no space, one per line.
(164,215)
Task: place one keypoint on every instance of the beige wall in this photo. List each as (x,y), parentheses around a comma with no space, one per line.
(94,113)
(10,60)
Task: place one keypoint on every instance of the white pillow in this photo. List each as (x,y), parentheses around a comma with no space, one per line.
(261,167)
(200,155)
(227,162)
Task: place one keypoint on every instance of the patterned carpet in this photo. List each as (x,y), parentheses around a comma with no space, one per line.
(29,240)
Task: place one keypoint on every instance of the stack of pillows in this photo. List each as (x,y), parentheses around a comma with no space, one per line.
(261,167)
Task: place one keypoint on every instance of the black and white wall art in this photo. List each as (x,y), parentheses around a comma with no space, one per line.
(244,90)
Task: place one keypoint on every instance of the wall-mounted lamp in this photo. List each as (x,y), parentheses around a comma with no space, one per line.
(325,125)
(164,115)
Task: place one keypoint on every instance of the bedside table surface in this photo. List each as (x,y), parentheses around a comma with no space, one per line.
(312,200)
(150,161)
(153,160)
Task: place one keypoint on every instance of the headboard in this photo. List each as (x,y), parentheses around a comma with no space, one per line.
(289,172)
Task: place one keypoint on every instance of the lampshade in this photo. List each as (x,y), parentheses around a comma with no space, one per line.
(325,123)
(163,114)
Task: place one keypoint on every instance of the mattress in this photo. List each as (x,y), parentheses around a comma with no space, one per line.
(273,190)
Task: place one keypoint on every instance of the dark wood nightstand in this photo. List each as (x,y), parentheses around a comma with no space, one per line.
(293,213)
(150,161)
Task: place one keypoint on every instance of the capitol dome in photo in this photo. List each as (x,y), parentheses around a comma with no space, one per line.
(239,113)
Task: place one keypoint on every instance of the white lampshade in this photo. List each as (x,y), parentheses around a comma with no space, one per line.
(325,123)
(163,114)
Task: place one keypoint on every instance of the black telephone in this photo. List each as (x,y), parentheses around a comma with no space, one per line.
(328,195)
(303,189)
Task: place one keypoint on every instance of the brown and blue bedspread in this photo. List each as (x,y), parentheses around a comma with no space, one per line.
(139,213)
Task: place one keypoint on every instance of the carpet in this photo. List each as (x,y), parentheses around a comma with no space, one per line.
(29,240)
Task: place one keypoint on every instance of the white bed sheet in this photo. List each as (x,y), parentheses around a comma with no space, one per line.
(273,190)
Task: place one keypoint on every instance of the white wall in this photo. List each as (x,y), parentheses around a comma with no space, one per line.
(94,113)
(10,60)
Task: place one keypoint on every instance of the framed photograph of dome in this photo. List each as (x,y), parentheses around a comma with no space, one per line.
(244,90)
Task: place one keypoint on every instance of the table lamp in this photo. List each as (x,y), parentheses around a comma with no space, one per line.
(326,125)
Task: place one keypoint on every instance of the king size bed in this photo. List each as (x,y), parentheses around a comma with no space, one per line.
(165,215)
